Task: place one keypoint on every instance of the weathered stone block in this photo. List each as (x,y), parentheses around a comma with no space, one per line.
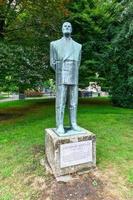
(70,154)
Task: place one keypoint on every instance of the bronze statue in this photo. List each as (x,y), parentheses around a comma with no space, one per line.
(65,57)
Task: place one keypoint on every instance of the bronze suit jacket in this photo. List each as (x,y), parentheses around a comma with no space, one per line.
(65,57)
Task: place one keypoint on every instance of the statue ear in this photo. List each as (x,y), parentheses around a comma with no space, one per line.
(71,29)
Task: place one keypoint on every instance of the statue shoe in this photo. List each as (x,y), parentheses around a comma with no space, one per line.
(75,127)
(60,130)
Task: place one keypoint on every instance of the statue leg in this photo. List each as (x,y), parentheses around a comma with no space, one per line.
(73,102)
(61,92)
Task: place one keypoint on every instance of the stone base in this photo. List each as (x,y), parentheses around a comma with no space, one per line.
(70,154)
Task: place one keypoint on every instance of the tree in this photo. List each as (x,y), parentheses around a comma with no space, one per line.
(26,29)
(105,28)
(122,56)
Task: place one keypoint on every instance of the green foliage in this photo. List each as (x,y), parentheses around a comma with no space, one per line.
(119,59)
(22,67)
(26,29)
(91,21)
(105,28)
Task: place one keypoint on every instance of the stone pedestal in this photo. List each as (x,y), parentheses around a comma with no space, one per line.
(70,154)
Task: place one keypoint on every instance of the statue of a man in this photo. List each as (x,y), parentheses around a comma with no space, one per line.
(65,57)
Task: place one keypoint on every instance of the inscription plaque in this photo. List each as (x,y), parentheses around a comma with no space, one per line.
(75,153)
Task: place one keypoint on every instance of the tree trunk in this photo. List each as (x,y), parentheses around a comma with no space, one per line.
(21,94)
(2,24)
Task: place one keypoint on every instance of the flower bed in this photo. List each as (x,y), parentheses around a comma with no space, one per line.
(33,94)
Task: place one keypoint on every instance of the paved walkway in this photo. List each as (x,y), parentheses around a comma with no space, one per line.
(17,98)
(8,99)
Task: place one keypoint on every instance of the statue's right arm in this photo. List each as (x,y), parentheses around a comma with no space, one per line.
(52,56)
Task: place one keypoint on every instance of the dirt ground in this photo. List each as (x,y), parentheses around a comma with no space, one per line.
(84,188)
(92,186)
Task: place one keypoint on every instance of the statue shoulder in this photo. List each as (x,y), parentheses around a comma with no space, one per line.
(78,45)
(55,42)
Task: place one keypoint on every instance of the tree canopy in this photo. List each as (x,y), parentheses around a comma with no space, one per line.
(26,28)
(105,28)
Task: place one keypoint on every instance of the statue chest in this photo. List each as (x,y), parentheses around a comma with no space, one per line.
(66,51)
(67,72)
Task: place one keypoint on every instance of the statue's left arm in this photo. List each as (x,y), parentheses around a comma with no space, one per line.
(52,56)
(80,53)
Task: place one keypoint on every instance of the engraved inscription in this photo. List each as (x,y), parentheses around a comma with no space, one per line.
(75,153)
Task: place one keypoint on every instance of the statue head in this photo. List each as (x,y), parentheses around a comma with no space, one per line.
(67,28)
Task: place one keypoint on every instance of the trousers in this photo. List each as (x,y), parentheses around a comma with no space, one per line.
(64,92)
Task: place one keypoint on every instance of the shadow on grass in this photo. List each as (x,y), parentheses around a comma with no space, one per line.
(14,110)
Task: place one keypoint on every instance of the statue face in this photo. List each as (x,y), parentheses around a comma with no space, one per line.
(67,28)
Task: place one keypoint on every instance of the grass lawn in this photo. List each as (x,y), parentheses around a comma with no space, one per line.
(22,125)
